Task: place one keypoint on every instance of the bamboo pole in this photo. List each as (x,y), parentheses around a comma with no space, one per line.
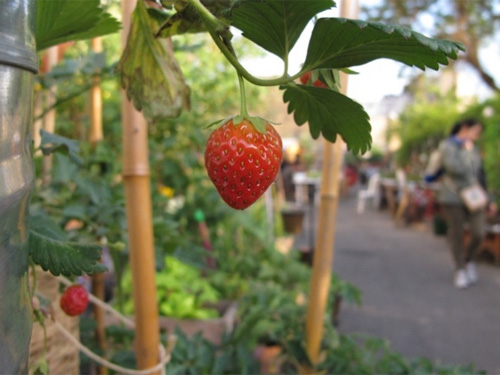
(49,120)
(325,236)
(96,100)
(96,136)
(139,219)
(38,124)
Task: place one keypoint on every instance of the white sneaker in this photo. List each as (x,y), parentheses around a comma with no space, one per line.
(470,269)
(461,280)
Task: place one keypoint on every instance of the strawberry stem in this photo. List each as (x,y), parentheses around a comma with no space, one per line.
(243,97)
(219,33)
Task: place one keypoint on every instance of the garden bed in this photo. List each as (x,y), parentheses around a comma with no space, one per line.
(211,329)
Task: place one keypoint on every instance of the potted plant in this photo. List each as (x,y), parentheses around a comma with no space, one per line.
(187,301)
(292,216)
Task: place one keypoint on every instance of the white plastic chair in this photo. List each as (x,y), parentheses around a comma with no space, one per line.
(371,192)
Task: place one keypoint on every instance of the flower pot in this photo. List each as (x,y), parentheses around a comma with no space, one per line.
(211,329)
(18,63)
(269,358)
(439,225)
(293,219)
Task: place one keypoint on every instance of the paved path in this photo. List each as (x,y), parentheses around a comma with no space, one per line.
(408,297)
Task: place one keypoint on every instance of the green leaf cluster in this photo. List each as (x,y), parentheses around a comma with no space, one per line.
(335,43)
(364,354)
(181,292)
(195,355)
(154,82)
(81,194)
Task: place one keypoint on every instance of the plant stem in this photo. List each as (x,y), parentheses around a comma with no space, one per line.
(243,97)
(216,28)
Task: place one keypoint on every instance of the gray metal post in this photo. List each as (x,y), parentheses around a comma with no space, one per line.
(18,65)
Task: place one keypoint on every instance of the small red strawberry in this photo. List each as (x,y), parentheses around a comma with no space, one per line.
(74,300)
(243,162)
(305,78)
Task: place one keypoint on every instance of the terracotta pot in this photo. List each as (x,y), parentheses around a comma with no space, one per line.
(269,358)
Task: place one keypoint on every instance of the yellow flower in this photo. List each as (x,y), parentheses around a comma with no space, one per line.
(166,191)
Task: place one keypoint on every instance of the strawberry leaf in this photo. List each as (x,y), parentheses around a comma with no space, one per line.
(149,71)
(275,25)
(51,143)
(340,43)
(60,21)
(49,249)
(329,113)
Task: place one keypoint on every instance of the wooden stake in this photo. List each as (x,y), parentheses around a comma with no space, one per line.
(49,120)
(38,124)
(325,236)
(96,100)
(139,219)
(96,136)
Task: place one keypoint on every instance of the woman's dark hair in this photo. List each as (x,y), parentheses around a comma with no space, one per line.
(470,122)
(467,123)
(456,128)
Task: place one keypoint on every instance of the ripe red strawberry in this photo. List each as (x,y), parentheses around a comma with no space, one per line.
(243,162)
(74,300)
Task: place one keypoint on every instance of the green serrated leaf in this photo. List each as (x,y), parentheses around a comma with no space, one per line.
(60,21)
(149,71)
(99,268)
(47,227)
(338,43)
(66,258)
(55,143)
(329,113)
(275,25)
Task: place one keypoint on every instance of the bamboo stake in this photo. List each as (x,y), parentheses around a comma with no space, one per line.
(49,120)
(139,219)
(96,100)
(38,124)
(96,136)
(325,236)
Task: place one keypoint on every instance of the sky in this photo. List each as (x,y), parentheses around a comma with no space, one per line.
(378,78)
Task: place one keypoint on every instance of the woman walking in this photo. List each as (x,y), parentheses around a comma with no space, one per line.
(462,168)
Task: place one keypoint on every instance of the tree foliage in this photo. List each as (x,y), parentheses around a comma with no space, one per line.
(424,123)
(473,23)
